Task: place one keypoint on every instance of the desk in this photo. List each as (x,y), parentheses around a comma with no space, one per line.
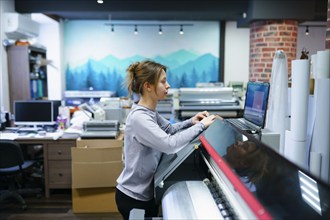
(57,159)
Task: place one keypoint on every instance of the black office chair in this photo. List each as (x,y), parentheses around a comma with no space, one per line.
(12,168)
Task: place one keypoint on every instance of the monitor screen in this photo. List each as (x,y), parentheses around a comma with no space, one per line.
(256,102)
(36,112)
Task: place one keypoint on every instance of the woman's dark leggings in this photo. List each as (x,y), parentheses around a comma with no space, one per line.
(125,204)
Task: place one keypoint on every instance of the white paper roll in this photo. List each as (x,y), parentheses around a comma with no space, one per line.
(323,64)
(320,137)
(313,64)
(295,152)
(315,163)
(299,99)
(287,143)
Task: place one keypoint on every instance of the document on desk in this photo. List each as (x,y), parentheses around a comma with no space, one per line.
(53,135)
(8,136)
(72,130)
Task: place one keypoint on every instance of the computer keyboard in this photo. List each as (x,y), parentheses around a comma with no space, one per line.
(239,124)
(28,129)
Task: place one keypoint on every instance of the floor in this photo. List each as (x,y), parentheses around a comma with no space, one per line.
(58,206)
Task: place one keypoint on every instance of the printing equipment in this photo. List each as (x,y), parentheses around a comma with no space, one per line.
(216,100)
(227,174)
(100,129)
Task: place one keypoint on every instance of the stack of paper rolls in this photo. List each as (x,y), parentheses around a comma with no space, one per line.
(295,147)
(320,143)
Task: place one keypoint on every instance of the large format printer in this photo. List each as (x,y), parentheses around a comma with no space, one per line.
(216,100)
(228,174)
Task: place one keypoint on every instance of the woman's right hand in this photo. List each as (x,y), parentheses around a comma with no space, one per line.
(208,120)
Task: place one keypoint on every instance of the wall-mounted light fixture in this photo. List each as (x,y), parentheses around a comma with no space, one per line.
(136,30)
(160,26)
(307,31)
(181,30)
(160,32)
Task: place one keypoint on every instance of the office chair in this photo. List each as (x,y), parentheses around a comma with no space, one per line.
(12,167)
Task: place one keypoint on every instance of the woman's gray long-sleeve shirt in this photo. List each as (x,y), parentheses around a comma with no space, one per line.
(147,135)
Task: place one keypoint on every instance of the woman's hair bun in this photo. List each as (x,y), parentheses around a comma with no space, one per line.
(132,67)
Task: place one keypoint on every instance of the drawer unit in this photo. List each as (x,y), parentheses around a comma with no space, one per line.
(58,156)
(59,152)
(59,174)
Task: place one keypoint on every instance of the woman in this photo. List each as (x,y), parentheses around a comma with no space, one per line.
(247,159)
(147,135)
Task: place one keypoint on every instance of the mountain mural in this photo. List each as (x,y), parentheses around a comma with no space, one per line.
(185,69)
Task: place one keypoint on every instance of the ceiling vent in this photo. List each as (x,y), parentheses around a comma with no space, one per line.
(18,26)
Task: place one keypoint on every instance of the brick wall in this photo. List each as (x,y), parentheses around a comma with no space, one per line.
(266,37)
(327,41)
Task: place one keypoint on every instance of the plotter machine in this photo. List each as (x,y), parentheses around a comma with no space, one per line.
(216,100)
(227,174)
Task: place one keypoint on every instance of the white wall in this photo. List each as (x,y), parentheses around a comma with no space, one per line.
(237,46)
(50,38)
(5,6)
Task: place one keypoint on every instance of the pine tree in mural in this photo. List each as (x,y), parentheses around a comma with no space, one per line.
(90,81)
(184,82)
(204,76)
(102,82)
(194,78)
(113,81)
(214,72)
(69,79)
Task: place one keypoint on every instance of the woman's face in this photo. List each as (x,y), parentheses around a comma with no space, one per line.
(239,150)
(162,86)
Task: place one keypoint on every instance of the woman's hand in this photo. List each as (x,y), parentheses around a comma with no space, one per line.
(208,120)
(199,116)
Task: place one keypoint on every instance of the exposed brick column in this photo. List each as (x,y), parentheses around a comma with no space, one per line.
(327,40)
(266,37)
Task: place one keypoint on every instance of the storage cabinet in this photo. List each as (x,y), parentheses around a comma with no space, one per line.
(59,164)
(27,73)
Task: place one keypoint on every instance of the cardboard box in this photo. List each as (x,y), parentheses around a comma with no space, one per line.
(96,167)
(100,143)
(92,155)
(94,200)
(96,163)
(86,175)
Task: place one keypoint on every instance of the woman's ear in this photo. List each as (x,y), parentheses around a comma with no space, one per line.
(147,86)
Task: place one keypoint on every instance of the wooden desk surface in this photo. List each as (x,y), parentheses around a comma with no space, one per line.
(34,137)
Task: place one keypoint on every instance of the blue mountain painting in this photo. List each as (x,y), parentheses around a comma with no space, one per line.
(185,69)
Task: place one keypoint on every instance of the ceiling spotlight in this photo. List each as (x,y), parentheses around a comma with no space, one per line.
(307,31)
(160,32)
(100,1)
(181,29)
(136,30)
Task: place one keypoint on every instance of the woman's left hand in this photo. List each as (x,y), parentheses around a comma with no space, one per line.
(199,116)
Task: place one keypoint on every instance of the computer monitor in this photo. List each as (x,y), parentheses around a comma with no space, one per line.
(36,112)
